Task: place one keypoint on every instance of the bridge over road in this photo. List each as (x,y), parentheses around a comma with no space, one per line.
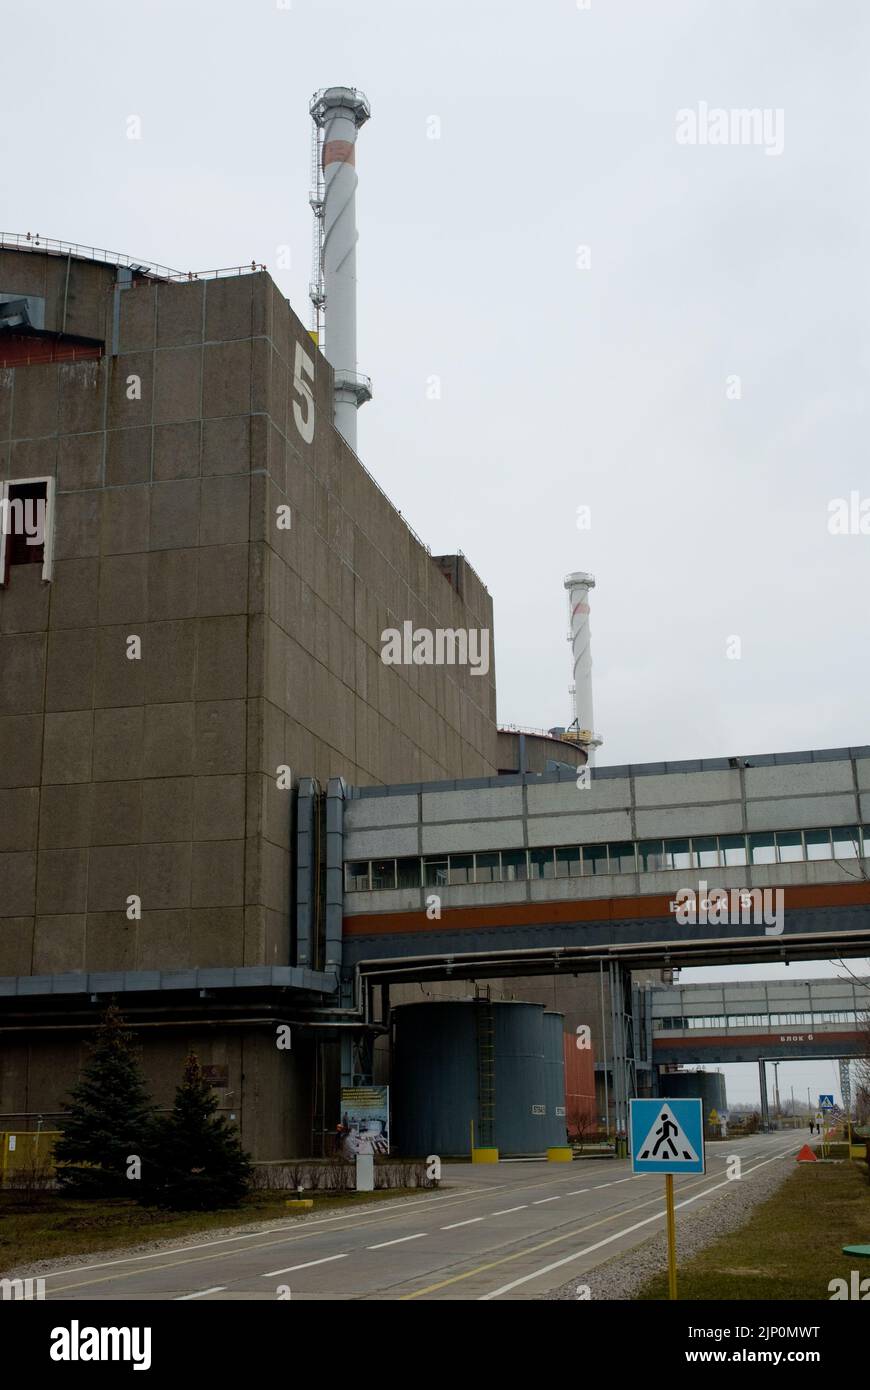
(693,863)
(747,1021)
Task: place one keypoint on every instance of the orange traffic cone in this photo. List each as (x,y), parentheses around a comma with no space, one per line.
(806,1155)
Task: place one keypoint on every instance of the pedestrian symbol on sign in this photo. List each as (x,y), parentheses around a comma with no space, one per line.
(667,1136)
(667,1140)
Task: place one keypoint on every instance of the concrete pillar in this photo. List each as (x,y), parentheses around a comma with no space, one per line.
(762,1082)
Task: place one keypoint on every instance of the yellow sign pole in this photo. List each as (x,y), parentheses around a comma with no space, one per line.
(672,1236)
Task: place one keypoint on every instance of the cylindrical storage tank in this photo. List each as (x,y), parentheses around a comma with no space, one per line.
(445,1052)
(520,1087)
(554,1078)
(706,1086)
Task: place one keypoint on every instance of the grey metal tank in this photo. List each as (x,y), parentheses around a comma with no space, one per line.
(464,1060)
(554,1078)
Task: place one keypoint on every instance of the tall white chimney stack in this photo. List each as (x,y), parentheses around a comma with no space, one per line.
(338,113)
(578,586)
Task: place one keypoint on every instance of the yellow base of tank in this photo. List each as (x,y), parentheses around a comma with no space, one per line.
(299,1203)
(484,1155)
(560,1155)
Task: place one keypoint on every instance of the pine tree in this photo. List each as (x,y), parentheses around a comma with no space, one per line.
(109,1120)
(199,1163)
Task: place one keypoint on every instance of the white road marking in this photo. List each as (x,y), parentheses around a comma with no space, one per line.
(507,1211)
(289,1232)
(307,1265)
(203,1293)
(608,1240)
(384,1243)
(541,1200)
(578,1192)
(462,1223)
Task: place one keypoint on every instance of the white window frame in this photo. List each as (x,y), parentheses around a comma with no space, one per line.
(48,540)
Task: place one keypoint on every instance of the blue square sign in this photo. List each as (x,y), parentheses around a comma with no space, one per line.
(826,1102)
(667,1136)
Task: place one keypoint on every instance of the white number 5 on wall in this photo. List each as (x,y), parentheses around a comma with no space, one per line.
(303,366)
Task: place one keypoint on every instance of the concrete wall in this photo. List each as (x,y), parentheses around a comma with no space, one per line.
(261,649)
(37,1073)
(260,646)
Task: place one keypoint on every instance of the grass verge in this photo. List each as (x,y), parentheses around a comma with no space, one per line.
(791,1245)
(55,1226)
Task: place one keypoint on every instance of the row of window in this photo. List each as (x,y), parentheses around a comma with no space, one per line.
(622,857)
(800,1020)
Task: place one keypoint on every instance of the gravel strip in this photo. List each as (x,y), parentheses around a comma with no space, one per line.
(697,1227)
(153,1247)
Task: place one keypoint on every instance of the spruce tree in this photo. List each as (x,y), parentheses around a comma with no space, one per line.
(199,1164)
(109,1120)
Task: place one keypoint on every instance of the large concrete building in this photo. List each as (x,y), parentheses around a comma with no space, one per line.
(200,626)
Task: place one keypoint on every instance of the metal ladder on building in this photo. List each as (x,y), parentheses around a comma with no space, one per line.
(485,1023)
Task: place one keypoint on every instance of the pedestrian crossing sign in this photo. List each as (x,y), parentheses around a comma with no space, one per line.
(667,1136)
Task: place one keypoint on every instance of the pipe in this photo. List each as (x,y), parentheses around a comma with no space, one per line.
(630,951)
(336,791)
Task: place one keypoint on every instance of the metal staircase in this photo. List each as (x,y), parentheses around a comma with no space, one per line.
(485,1026)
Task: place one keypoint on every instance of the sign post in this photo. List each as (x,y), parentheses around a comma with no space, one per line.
(667,1136)
(672,1236)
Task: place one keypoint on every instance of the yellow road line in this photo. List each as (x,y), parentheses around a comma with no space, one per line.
(309,1231)
(305,1232)
(533,1249)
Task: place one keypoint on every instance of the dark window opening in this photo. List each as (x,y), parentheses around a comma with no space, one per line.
(25,525)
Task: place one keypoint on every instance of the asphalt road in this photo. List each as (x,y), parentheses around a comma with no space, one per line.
(510,1231)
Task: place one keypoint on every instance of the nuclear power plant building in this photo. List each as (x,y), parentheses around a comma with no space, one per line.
(197,628)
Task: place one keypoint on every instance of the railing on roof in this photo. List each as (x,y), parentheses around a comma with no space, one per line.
(30,241)
(470,566)
(536,733)
(372,479)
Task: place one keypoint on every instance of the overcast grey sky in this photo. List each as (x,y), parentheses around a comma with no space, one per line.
(561,386)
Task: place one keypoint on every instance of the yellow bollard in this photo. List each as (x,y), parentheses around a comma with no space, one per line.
(560,1154)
